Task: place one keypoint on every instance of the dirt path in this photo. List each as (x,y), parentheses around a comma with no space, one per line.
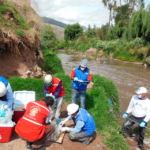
(17,144)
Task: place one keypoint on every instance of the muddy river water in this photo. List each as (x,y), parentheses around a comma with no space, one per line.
(127,77)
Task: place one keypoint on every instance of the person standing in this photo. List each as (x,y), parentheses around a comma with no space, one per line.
(6,95)
(81,76)
(34,126)
(84,124)
(140,108)
(54,87)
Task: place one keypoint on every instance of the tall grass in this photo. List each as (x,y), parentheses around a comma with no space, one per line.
(53,63)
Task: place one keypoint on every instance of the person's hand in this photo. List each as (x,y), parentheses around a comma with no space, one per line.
(76,79)
(2,113)
(142,124)
(46,95)
(64,129)
(125,115)
(62,123)
(53,97)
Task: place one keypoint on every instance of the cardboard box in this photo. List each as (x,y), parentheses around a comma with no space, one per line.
(21,98)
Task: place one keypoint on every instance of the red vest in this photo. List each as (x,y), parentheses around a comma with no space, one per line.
(32,125)
(52,89)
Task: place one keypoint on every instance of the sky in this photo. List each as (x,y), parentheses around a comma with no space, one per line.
(84,12)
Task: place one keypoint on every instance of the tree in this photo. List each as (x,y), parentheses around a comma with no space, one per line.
(73,31)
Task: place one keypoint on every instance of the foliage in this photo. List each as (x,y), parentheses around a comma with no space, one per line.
(148,60)
(53,63)
(73,31)
(18,23)
(48,38)
(63,44)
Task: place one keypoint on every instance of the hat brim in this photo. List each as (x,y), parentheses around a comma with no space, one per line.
(138,92)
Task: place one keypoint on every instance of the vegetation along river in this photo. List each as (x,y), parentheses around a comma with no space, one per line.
(128,77)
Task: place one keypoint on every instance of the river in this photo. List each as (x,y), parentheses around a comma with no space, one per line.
(127,77)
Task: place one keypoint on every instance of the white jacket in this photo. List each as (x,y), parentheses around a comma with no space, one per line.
(139,107)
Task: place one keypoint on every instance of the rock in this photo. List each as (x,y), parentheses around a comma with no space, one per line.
(145,65)
(27,73)
(91,51)
(100,52)
(38,74)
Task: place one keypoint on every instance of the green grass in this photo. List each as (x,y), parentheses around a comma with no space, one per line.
(53,63)
(19,32)
(4,8)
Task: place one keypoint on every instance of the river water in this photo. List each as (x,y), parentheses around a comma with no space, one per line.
(127,77)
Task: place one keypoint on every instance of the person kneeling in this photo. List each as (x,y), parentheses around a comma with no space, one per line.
(34,126)
(84,124)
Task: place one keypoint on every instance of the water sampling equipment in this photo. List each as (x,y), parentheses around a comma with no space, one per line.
(117,113)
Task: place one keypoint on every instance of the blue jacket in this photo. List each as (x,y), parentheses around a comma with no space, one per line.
(89,124)
(81,75)
(9,94)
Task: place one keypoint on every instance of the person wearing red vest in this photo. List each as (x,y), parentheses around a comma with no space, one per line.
(34,126)
(54,87)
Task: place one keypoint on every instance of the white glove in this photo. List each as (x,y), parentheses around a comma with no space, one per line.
(62,123)
(65,129)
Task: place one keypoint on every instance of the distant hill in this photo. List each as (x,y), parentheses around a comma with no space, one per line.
(57,23)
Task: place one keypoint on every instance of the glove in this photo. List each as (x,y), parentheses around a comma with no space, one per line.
(65,129)
(84,83)
(125,115)
(53,97)
(76,79)
(47,95)
(2,113)
(142,124)
(62,123)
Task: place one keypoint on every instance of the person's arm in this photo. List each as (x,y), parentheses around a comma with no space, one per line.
(147,117)
(78,127)
(89,76)
(72,74)
(130,107)
(44,89)
(9,95)
(58,89)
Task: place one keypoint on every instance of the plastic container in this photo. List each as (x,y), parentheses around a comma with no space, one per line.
(5,132)
(21,98)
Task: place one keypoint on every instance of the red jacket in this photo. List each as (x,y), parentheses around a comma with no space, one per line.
(52,89)
(32,125)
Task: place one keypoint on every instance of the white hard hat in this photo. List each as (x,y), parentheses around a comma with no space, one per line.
(84,63)
(72,108)
(48,79)
(2,89)
(141,90)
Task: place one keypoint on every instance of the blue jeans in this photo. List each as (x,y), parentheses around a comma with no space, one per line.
(79,94)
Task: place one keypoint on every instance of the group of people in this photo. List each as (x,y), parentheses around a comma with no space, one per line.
(35,125)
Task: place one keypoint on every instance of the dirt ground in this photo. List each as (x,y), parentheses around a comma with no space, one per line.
(17,144)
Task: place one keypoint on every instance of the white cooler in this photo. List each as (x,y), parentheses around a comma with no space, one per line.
(21,98)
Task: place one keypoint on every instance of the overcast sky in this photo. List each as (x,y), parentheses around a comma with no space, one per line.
(84,12)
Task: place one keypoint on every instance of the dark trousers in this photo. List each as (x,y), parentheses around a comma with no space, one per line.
(81,136)
(38,143)
(128,124)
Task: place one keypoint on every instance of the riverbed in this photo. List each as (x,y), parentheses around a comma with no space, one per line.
(127,77)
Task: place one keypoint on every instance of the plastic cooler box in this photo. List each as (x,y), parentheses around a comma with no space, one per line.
(21,98)
(5,132)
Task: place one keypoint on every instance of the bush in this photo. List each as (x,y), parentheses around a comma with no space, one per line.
(53,63)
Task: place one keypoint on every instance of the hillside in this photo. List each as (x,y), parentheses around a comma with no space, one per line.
(59,32)
(19,34)
(57,23)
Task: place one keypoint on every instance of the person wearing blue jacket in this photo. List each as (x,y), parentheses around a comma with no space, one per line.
(84,124)
(81,76)
(6,95)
